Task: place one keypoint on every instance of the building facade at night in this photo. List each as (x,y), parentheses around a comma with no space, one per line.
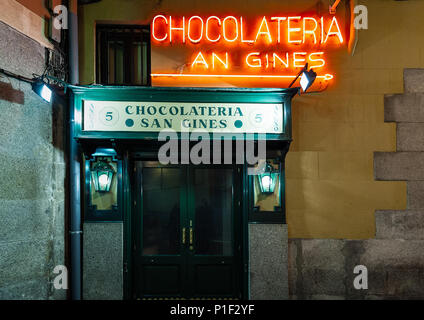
(176,159)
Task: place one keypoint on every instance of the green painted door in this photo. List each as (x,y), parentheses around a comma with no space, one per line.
(187,231)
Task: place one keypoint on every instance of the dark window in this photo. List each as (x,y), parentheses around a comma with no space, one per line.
(123,55)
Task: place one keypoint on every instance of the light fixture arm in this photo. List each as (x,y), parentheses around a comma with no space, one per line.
(63,83)
(334,6)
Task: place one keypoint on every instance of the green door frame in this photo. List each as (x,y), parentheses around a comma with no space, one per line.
(133,234)
(122,141)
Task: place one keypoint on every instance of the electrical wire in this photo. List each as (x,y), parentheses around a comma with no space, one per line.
(17,76)
(36,78)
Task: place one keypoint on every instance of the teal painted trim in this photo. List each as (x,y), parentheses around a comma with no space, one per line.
(194,95)
(127,220)
(245,221)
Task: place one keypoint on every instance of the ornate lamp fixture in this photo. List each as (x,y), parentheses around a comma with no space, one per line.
(268,179)
(102,175)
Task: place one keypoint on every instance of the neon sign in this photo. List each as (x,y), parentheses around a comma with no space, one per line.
(272,47)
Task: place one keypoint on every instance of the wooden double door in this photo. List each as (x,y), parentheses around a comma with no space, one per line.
(187,234)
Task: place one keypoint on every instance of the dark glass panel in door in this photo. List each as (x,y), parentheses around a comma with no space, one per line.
(161,210)
(213,211)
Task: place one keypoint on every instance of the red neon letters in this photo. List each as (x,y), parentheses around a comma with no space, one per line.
(271,43)
(195,29)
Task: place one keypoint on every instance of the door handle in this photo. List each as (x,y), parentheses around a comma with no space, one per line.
(184,236)
(191,236)
(191,239)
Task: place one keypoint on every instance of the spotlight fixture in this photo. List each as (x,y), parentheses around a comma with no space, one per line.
(307,78)
(40,84)
(42,89)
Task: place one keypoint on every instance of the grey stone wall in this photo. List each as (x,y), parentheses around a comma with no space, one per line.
(103,261)
(32,176)
(268,274)
(323,269)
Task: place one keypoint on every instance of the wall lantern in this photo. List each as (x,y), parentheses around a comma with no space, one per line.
(268,179)
(102,175)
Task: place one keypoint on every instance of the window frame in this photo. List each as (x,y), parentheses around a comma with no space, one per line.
(110,32)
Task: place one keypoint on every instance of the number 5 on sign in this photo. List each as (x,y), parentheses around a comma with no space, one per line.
(109,116)
(258,118)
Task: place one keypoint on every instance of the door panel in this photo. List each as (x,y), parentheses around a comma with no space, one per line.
(159,256)
(161,210)
(213,211)
(186,239)
(162,279)
(212,268)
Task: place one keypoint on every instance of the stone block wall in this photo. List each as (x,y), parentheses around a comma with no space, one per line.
(323,268)
(103,261)
(268,279)
(32,176)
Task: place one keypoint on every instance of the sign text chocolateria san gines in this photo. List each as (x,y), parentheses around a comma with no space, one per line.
(157,116)
(272,46)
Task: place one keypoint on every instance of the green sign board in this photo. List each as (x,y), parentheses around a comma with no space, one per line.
(127,116)
(143,112)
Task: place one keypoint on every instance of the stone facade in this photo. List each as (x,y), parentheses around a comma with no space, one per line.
(103,261)
(33,171)
(323,269)
(268,278)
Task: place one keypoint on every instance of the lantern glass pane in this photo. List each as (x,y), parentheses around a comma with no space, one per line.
(266,189)
(266,182)
(103,181)
(107,196)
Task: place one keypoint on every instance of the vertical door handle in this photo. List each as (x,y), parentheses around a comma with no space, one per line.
(191,239)
(191,236)
(184,236)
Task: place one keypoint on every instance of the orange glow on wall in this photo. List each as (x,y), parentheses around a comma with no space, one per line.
(200,60)
(216,57)
(226,27)
(208,21)
(265,32)
(236,47)
(189,29)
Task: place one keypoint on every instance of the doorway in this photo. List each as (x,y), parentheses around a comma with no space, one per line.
(187,231)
